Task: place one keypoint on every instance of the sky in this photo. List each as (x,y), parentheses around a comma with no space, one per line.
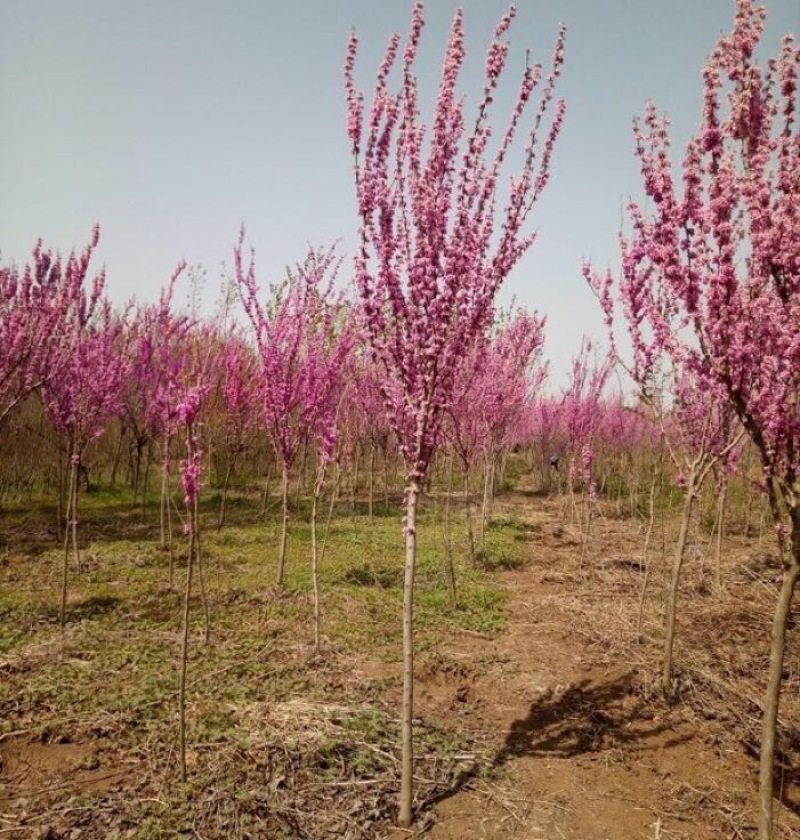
(172,122)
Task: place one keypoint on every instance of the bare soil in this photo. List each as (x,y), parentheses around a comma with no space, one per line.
(590,749)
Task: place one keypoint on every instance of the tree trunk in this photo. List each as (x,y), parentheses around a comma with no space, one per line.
(485,506)
(265,497)
(677,564)
(70,505)
(284,526)
(74,524)
(315,569)
(73,521)
(226,482)
(170,543)
(645,565)
(769,724)
(61,502)
(723,495)
(334,496)
(162,516)
(470,529)
(193,512)
(449,568)
(184,658)
(371,481)
(406,783)
(165,500)
(200,575)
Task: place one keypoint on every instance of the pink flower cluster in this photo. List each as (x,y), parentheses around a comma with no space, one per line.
(718,256)
(191,470)
(432,256)
(303,338)
(38,309)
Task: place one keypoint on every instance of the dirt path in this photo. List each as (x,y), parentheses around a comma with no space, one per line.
(587,751)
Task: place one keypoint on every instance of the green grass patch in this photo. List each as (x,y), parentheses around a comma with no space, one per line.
(111,678)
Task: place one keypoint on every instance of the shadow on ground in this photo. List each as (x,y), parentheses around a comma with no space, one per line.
(588,716)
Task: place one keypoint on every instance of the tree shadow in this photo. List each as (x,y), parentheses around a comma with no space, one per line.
(533,492)
(93,607)
(587,717)
(88,608)
(786,772)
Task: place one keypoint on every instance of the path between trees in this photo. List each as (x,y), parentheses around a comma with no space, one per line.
(582,746)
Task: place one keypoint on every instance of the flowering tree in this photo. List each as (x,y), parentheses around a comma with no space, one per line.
(511,374)
(155,338)
(157,346)
(191,469)
(724,254)
(329,349)
(543,428)
(84,396)
(36,305)
(289,333)
(366,403)
(581,404)
(240,398)
(489,399)
(190,380)
(626,439)
(432,257)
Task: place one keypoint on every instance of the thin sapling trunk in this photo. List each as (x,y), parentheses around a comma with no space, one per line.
(677,565)
(371,482)
(73,483)
(184,657)
(318,484)
(406,782)
(449,568)
(645,564)
(720,530)
(284,526)
(769,723)
(468,510)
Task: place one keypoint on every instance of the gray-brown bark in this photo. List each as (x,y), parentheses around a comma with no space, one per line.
(407,715)
(769,724)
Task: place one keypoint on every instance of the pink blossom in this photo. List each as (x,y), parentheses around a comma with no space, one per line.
(434,251)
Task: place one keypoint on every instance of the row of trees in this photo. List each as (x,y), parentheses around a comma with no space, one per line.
(304,388)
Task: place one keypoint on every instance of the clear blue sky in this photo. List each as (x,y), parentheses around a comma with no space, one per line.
(172,121)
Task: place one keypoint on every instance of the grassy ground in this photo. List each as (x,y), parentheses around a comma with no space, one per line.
(538,712)
(281,742)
